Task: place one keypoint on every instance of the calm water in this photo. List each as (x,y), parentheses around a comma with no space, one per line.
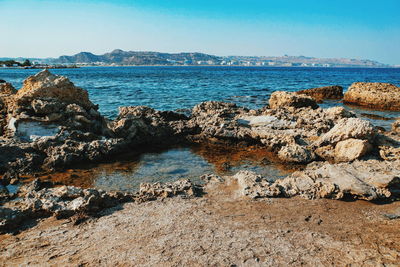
(171,88)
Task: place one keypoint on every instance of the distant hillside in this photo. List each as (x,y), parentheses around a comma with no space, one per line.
(120,57)
(126,58)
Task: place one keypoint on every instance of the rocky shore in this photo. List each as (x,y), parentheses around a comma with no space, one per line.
(50,124)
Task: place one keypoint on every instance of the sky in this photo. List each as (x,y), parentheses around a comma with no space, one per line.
(341,28)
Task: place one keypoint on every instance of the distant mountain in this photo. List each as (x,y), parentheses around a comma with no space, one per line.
(140,58)
(120,57)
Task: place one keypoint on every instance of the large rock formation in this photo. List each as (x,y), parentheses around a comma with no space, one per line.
(281,99)
(373,95)
(45,103)
(326,92)
(45,85)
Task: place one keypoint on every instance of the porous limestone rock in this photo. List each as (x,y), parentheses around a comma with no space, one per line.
(326,152)
(7,89)
(321,93)
(389,152)
(373,95)
(351,149)
(47,101)
(282,99)
(348,128)
(45,85)
(368,180)
(296,154)
(38,200)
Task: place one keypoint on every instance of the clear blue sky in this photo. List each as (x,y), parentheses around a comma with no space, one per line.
(337,28)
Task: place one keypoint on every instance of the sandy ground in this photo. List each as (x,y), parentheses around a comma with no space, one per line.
(219,229)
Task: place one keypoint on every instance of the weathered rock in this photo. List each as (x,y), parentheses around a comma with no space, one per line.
(253,185)
(368,180)
(7,89)
(346,129)
(326,92)
(326,152)
(47,101)
(351,149)
(389,152)
(282,99)
(45,85)
(140,125)
(296,154)
(373,95)
(184,188)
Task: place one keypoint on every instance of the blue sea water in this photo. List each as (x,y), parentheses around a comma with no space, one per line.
(171,88)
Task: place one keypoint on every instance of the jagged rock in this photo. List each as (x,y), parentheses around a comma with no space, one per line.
(282,99)
(7,89)
(389,153)
(162,190)
(253,185)
(326,92)
(373,95)
(141,124)
(368,180)
(296,154)
(348,128)
(351,149)
(35,200)
(339,113)
(45,85)
(47,101)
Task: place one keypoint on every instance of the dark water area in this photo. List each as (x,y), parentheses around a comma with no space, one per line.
(172,88)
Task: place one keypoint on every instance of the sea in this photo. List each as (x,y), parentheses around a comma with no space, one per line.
(180,88)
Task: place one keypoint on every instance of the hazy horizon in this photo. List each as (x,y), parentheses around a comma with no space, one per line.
(359,30)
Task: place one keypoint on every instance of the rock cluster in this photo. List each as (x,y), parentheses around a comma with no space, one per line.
(35,200)
(368,180)
(47,102)
(373,95)
(326,92)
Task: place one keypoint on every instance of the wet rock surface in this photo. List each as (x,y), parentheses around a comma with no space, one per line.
(373,95)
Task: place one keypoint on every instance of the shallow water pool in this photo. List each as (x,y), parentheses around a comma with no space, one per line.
(171,165)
